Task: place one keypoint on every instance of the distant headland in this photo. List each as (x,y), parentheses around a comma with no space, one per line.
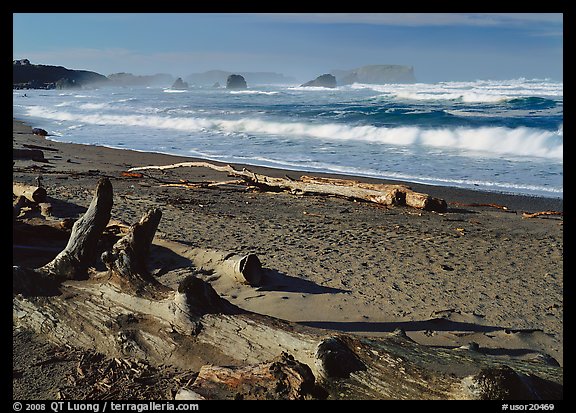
(36,76)
(375,74)
(28,76)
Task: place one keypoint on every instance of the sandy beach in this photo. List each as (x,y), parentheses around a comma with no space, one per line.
(472,274)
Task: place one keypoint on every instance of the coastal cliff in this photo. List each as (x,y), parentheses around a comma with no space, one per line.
(29,76)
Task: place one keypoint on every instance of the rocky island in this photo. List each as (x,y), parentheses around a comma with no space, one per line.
(236,82)
(211,77)
(179,84)
(376,74)
(326,80)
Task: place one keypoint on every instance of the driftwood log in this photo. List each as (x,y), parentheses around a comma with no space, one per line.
(31,154)
(383,194)
(245,269)
(32,193)
(126,312)
(542,213)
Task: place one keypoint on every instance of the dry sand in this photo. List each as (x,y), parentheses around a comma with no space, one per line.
(472,274)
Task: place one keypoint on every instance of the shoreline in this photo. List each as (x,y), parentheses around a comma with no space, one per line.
(525,203)
(474,274)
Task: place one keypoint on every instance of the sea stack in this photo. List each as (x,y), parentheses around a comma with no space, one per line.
(326,80)
(236,82)
(179,84)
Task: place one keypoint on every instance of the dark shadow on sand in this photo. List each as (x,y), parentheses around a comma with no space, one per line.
(36,245)
(510,352)
(64,209)
(162,259)
(435,324)
(277,281)
(461,211)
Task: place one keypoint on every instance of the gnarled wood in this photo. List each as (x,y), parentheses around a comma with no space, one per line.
(283,378)
(127,261)
(80,252)
(383,194)
(193,321)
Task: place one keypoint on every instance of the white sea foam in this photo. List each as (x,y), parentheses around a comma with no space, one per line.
(310,166)
(93,106)
(253,92)
(464,96)
(519,141)
(469,92)
(312,88)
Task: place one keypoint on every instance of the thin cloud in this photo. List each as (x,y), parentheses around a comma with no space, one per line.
(424,19)
(106,61)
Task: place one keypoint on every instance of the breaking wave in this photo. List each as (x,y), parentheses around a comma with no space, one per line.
(469,92)
(491,141)
(253,92)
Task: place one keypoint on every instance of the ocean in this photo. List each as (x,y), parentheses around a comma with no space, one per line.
(500,136)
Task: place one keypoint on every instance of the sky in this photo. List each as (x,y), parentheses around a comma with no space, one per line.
(440,46)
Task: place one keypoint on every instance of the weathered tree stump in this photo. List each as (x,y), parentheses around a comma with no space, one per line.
(73,262)
(127,261)
(80,252)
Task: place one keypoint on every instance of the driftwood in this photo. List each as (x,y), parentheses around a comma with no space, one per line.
(126,312)
(20,202)
(80,252)
(245,269)
(31,154)
(45,209)
(383,194)
(185,184)
(542,213)
(132,175)
(32,193)
(126,262)
(283,378)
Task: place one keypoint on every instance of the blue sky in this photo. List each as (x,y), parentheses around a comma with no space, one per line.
(440,46)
